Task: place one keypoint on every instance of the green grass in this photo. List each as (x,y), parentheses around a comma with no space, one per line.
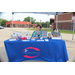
(62,31)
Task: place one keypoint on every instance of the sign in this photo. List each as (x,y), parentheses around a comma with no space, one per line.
(73,18)
(44,34)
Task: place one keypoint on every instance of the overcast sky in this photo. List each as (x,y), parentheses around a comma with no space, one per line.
(21,16)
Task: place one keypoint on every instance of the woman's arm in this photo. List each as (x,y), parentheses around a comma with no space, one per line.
(34,35)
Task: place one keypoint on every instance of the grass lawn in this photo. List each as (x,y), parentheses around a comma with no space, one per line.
(62,31)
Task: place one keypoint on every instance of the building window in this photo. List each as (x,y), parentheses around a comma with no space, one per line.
(13,25)
(26,25)
(16,25)
(31,25)
(20,25)
(23,25)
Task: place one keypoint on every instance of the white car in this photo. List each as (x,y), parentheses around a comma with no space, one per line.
(50,25)
(1,27)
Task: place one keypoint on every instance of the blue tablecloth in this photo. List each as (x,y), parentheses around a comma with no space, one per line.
(52,50)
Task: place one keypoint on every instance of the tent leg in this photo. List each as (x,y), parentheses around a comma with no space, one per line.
(73,32)
(56,19)
(47,21)
(12,22)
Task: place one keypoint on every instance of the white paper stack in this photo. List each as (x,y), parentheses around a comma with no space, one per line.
(46,40)
(33,39)
(25,40)
(40,40)
(12,40)
(56,37)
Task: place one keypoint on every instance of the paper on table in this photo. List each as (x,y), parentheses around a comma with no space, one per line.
(33,39)
(46,40)
(56,37)
(40,40)
(12,40)
(25,40)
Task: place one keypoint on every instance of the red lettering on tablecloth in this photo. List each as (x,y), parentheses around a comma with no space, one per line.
(26,56)
(32,48)
(26,49)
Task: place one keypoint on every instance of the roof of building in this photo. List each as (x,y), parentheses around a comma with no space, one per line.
(18,22)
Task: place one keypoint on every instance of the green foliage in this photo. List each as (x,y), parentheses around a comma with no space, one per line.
(28,19)
(44,24)
(37,23)
(2,22)
(17,20)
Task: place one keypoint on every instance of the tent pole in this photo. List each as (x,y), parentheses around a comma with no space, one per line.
(47,21)
(12,22)
(30,19)
(73,31)
(56,19)
(28,29)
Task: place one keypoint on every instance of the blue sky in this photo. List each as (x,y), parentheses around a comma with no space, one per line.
(21,16)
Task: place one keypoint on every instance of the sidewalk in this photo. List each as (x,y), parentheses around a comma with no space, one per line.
(67,37)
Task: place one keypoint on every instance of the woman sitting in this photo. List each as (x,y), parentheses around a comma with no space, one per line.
(38,33)
(55,33)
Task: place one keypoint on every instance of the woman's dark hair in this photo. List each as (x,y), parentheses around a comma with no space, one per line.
(39,26)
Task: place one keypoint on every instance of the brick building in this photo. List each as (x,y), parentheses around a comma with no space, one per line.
(21,24)
(64,21)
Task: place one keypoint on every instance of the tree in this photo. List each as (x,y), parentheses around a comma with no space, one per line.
(37,22)
(3,22)
(48,23)
(28,19)
(17,20)
(44,24)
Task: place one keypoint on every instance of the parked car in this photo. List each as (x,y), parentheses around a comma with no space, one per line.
(1,27)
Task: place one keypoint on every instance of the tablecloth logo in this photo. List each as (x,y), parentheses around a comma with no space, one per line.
(27,53)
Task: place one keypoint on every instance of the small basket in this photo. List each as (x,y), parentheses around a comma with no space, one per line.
(23,38)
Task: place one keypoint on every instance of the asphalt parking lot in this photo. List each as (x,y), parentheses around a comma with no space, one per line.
(6,34)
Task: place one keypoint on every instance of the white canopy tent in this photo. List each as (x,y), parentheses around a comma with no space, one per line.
(48,13)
